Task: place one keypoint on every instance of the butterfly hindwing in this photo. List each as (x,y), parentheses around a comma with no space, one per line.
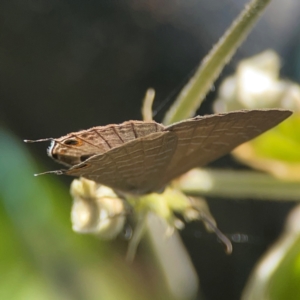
(136,167)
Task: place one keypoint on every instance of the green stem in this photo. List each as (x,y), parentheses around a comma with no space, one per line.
(193,93)
(238,185)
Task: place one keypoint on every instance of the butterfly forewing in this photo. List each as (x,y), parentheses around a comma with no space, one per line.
(137,167)
(204,139)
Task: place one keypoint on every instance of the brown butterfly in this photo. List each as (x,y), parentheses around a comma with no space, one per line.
(142,157)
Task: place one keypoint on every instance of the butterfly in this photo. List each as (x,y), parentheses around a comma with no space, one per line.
(140,157)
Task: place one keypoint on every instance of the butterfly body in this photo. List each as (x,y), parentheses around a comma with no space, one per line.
(142,157)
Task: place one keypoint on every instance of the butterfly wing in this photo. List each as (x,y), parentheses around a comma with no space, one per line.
(137,167)
(76,147)
(205,138)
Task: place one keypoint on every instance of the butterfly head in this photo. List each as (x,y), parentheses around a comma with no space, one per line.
(69,151)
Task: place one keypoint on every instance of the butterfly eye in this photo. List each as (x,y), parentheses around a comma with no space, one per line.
(71,142)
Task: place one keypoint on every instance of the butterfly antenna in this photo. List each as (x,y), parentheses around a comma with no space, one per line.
(57,172)
(223,238)
(40,140)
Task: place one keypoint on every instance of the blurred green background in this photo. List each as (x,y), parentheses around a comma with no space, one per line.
(70,65)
